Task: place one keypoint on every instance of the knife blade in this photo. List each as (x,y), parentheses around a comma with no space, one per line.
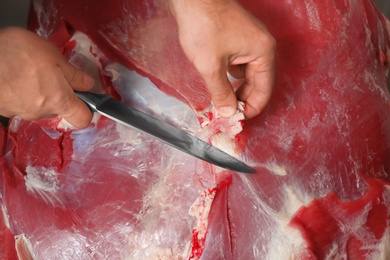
(121,113)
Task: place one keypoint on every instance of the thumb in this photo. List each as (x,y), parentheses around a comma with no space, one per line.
(222,93)
(75,111)
(75,77)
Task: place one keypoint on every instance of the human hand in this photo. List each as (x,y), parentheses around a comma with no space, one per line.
(36,81)
(219,36)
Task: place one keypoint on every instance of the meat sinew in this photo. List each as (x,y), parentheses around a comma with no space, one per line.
(321,149)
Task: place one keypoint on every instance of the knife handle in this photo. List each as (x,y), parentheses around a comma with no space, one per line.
(91,99)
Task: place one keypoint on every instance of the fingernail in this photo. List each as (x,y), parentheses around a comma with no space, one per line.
(226,111)
(88,81)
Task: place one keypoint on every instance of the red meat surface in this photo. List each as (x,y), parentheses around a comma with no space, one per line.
(321,149)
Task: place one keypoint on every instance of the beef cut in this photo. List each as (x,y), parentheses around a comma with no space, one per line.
(321,149)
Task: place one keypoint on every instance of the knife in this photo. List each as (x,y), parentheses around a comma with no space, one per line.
(121,113)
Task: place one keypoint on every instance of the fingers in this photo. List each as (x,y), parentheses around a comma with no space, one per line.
(237,71)
(223,33)
(76,78)
(257,89)
(72,109)
(38,82)
(221,91)
(77,113)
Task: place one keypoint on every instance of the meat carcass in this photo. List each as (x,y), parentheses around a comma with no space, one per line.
(321,149)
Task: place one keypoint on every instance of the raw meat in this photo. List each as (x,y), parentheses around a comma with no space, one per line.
(321,149)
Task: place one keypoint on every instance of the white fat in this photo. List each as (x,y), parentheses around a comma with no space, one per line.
(88,57)
(221,132)
(87,48)
(276,169)
(372,82)
(223,142)
(43,184)
(335,252)
(44,16)
(357,223)
(23,248)
(213,123)
(165,207)
(65,125)
(200,210)
(40,178)
(52,133)
(383,252)
(284,242)
(380,250)
(284,235)
(95,118)
(294,199)
(14,124)
(287,242)
(112,72)
(314,16)
(5,216)
(151,251)
(160,253)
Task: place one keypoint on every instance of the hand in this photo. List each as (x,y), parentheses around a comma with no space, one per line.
(36,81)
(220,36)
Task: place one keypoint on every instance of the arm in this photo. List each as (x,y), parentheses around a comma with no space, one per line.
(220,36)
(36,81)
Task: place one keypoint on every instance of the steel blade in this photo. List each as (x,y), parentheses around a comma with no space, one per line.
(173,136)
